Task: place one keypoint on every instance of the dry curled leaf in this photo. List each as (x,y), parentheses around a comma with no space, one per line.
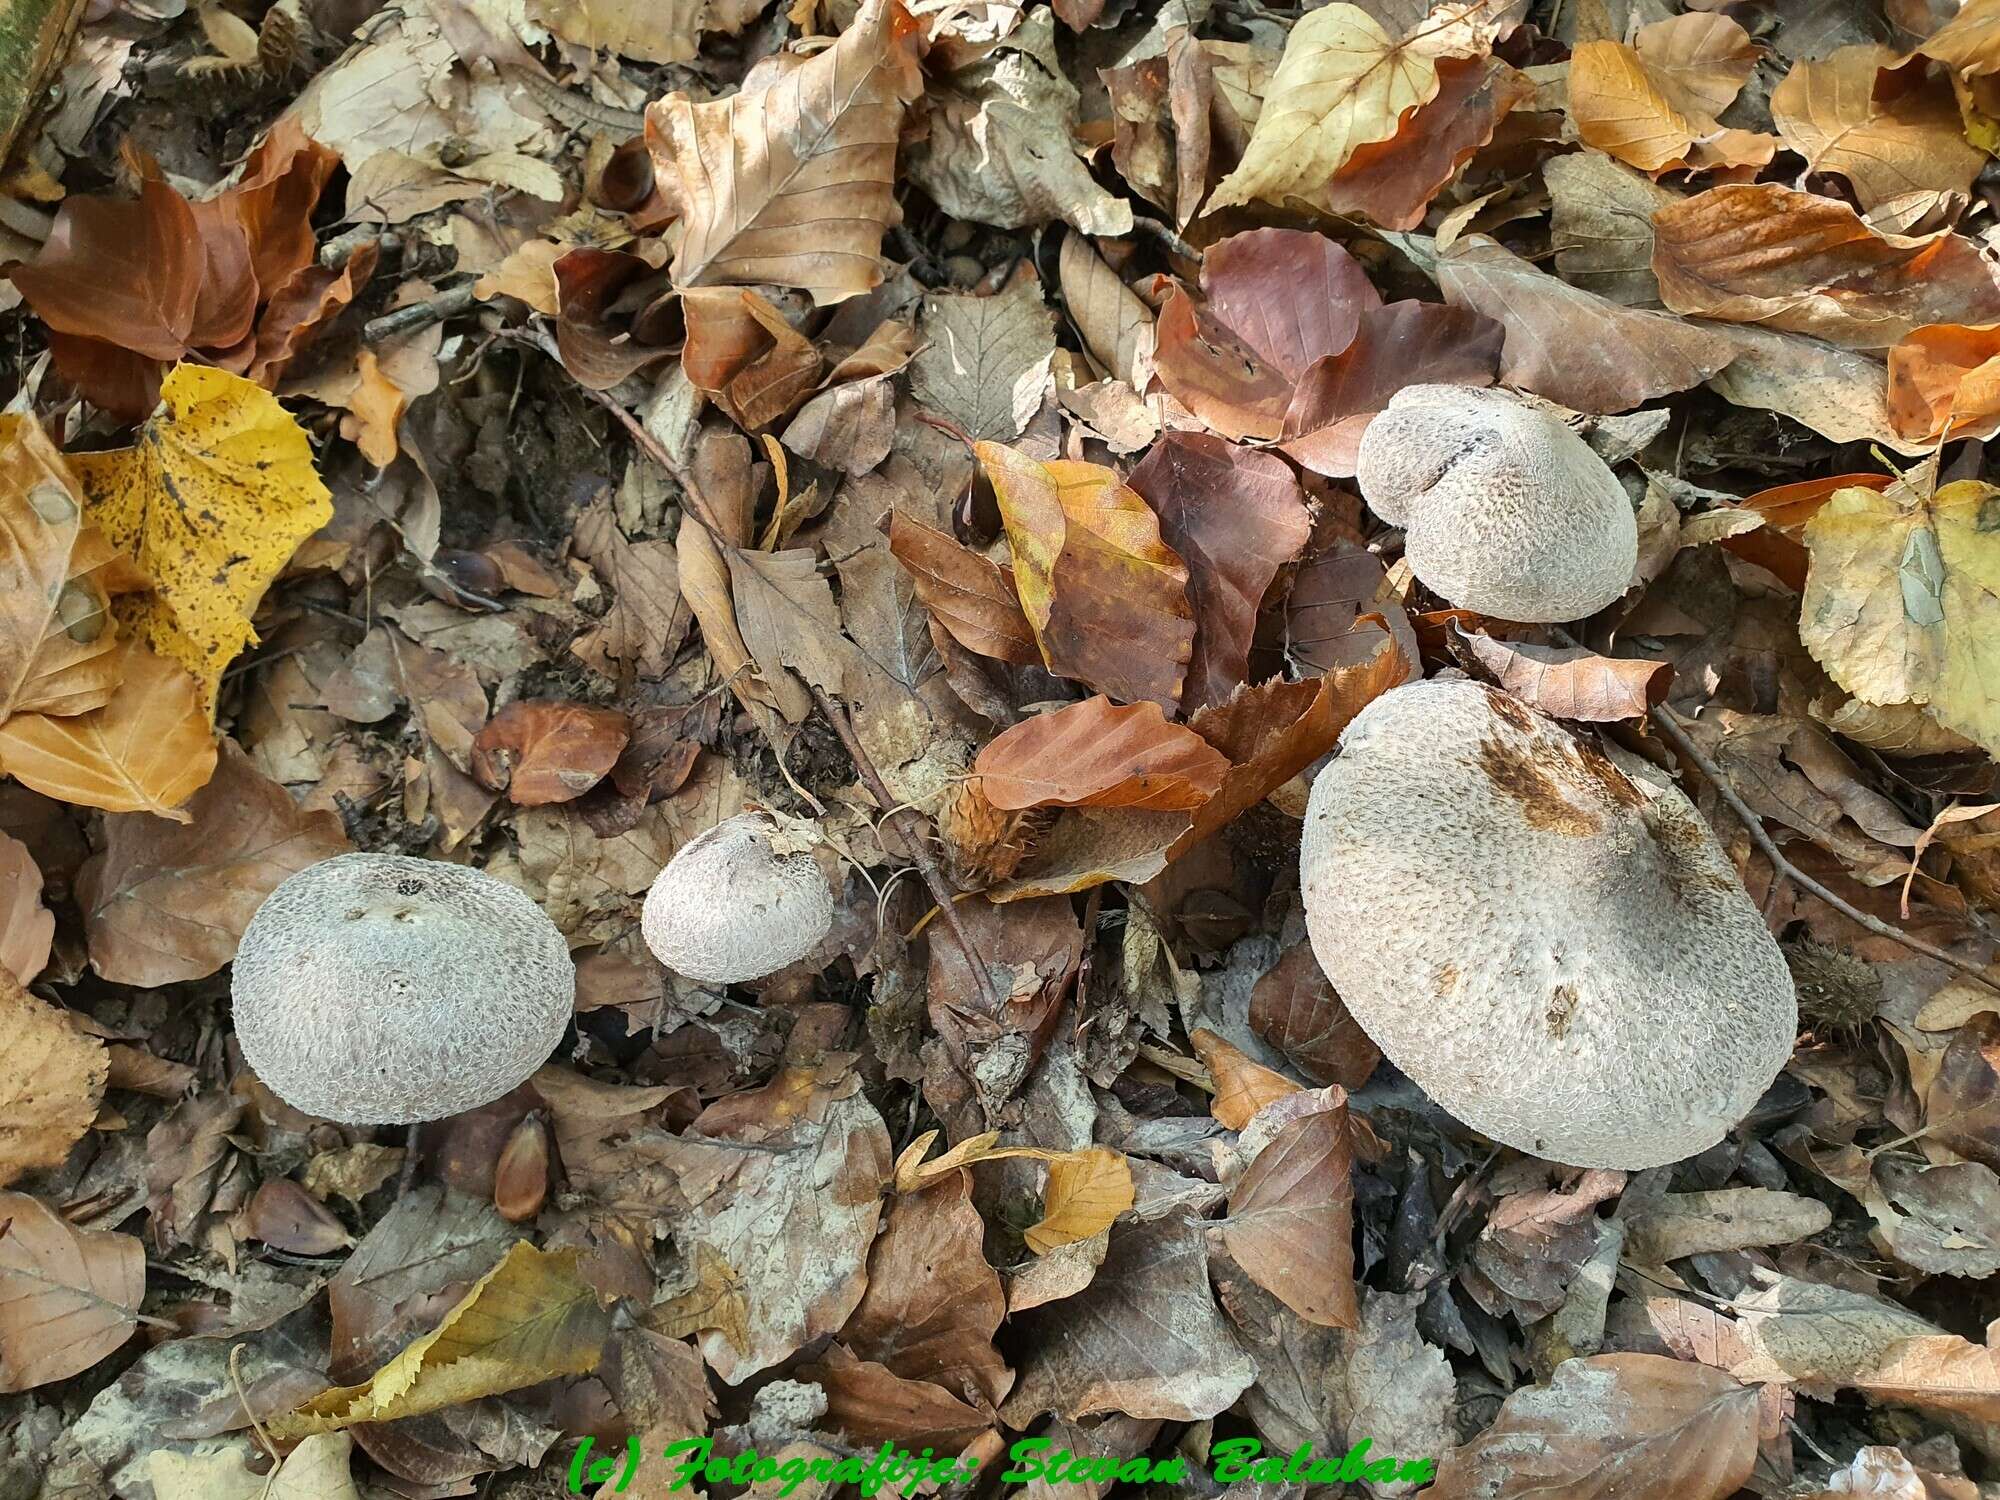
(1242,1087)
(1573,682)
(1098,754)
(538,752)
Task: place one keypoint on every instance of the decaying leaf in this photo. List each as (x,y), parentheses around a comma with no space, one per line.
(985,359)
(68,1296)
(52,1081)
(1653,105)
(1291,1216)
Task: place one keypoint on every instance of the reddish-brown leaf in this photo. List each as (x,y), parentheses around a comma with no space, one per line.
(301,309)
(1294,1008)
(1341,608)
(274,200)
(1235,516)
(1291,295)
(1405,343)
(538,752)
(1214,374)
(1572,682)
(1789,506)
(742,352)
(287,1217)
(127,271)
(1762,253)
(1097,754)
(225,307)
(971,597)
(596,350)
(1291,1217)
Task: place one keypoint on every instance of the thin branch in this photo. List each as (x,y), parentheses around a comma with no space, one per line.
(419,315)
(1670,726)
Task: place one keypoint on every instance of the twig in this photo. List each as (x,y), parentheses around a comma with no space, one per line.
(920,849)
(337,251)
(697,510)
(256,1423)
(1753,825)
(419,314)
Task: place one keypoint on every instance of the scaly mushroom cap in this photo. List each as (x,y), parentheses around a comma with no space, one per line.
(1504,509)
(376,989)
(729,908)
(1558,955)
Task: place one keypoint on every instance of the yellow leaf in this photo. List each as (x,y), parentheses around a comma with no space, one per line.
(1902,601)
(1343,83)
(914,1173)
(148,750)
(1242,1087)
(1087,1190)
(529,1319)
(56,632)
(211,502)
(52,1080)
(1912,141)
(1653,106)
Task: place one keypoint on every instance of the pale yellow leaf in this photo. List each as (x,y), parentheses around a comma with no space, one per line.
(52,1080)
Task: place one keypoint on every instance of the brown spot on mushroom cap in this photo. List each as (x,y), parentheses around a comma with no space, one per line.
(1504,509)
(1606,996)
(729,908)
(376,989)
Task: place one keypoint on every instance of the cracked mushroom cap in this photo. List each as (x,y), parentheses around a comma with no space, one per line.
(729,907)
(1504,510)
(375,989)
(1560,956)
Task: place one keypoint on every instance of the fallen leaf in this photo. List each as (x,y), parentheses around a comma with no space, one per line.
(1566,344)
(1762,253)
(1242,1087)
(1117,327)
(1901,604)
(629,28)
(1291,1216)
(1235,517)
(302,308)
(969,595)
(1215,374)
(744,355)
(539,752)
(598,350)
(1838,393)
(1888,136)
(1653,105)
(212,501)
(1291,295)
(985,359)
(530,1318)
(1573,682)
(788,617)
(51,1083)
(287,1217)
(57,637)
(147,750)
(27,928)
(1293,1008)
(1342,608)
(1106,597)
(1682,1224)
(1344,82)
(1612,1424)
(1944,382)
(791,183)
(68,1297)
(167,901)
(318,1469)
(1097,754)
(1087,1190)
(1602,226)
(993,1033)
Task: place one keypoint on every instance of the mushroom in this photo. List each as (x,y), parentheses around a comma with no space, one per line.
(1557,954)
(376,989)
(1504,509)
(730,906)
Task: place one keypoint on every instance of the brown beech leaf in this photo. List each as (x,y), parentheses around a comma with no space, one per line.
(274,200)
(27,928)
(538,752)
(1341,608)
(1405,343)
(1944,382)
(1572,682)
(1293,1007)
(1621,1425)
(127,271)
(57,638)
(1602,226)
(1888,131)
(1291,1216)
(1653,105)
(1291,295)
(1392,182)
(1106,596)
(147,750)
(792,182)
(970,596)
(1216,375)
(1087,1190)
(1762,253)
(287,1217)
(52,1079)
(1569,345)
(1117,327)
(741,352)
(1234,516)
(68,1296)
(1034,948)
(1242,1087)
(1097,754)
(598,352)
(301,309)
(166,902)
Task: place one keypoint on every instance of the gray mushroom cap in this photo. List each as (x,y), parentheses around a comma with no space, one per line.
(376,989)
(1560,956)
(1504,509)
(729,907)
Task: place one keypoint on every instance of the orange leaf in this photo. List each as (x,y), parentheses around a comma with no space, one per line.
(1789,506)
(1087,1190)
(1572,682)
(970,596)
(127,271)
(1242,1087)
(1096,754)
(538,753)
(1944,381)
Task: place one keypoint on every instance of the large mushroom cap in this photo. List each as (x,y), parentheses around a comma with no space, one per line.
(376,989)
(1559,956)
(728,907)
(1504,509)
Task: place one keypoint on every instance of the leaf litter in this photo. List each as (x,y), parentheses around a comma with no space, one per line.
(530,436)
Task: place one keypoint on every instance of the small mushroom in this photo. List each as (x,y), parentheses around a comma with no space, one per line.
(1559,955)
(729,907)
(1504,509)
(376,989)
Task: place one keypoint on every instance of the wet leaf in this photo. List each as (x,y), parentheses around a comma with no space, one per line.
(212,501)
(68,1296)
(1097,754)
(540,752)
(52,1080)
